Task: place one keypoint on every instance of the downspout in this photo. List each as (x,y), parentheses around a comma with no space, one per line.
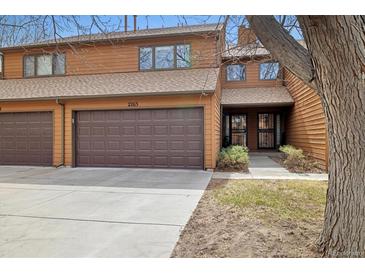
(62,163)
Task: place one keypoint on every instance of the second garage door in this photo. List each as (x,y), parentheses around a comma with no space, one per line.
(159,138)
(26,138)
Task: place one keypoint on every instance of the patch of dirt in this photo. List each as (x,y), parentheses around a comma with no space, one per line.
(244,170)
(217,231)
(313,168)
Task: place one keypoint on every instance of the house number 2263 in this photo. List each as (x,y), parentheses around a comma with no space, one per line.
(132,104)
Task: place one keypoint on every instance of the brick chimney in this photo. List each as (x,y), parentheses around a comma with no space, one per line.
(246,36)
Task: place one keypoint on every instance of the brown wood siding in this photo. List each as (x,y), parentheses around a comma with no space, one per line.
(146,102)
(114,57)
(252,78)
(216,121)
(40,106)
(306,125)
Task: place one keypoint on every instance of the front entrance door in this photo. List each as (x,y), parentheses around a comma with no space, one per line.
(239,129)
(266,130)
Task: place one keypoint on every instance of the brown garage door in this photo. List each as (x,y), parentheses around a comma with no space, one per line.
(26,138)
(160,138)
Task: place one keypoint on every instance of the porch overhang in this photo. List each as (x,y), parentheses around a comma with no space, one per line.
(257,97)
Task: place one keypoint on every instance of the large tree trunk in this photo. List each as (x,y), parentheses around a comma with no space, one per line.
(336,47)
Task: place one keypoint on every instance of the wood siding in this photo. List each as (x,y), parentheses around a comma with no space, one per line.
(216,122)
(41,106)
(114,57)
(252,77)
(209,103)
(306,124)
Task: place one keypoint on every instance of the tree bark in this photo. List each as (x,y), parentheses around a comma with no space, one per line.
(336,46)
(273,36)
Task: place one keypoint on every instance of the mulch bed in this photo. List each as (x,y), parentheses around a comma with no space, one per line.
(296,169)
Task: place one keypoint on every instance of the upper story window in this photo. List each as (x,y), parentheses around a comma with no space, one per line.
(236,72)
(269,71)
(183,56)
(165,57)
(1,65)
(44,65)
(145,58)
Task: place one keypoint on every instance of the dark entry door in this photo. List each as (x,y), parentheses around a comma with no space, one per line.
(266,130)
(239,129)
(158,138)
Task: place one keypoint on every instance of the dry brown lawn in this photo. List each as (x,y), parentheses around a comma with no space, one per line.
(255,218)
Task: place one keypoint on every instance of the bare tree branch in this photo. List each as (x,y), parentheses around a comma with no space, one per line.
(283,47)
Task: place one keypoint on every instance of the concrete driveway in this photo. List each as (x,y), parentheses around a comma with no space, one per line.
(84,212)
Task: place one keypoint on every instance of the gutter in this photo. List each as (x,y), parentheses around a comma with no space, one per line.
(150,94)
(62,163)
(114,39)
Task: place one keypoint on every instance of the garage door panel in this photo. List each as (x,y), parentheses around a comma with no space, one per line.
(160,115)
(113,146)
(128,145)
(26,138)
(128,160)
(129,130)
(161,161)
(177,130)
(140,138)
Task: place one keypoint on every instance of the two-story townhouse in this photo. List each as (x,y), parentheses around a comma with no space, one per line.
(148,98)
(166,98)
(265,106)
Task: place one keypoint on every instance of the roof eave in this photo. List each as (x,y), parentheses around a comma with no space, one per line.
(108,39)
(168,93)
(274,104)
(258,56)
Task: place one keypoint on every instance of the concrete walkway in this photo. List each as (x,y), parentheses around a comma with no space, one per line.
(263,167)
(90,212)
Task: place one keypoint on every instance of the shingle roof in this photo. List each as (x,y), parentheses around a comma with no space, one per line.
(144,33)
(250,50)
(263,96)
(186,81)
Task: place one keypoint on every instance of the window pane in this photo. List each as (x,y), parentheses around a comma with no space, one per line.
(44,65)
(1,63)
(183,56)
(145,58)
(29,66)
(164,57)
(59,64)
(235,72)
(269,71)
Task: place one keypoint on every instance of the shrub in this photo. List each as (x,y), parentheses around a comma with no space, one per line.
(233,158)
(296,160)
(294,157)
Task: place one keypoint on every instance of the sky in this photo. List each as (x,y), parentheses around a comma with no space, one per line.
(109,23)
(171,21)
(153,21)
